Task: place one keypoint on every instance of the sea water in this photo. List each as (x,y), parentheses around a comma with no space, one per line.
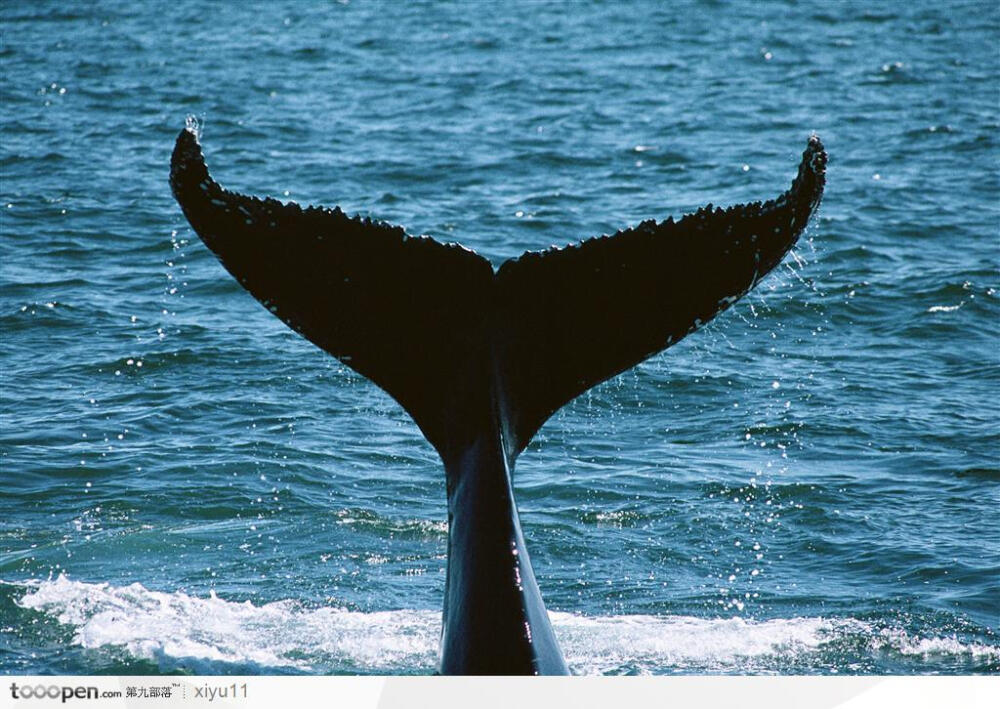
(809,484)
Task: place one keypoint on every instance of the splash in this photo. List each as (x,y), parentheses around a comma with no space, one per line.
(169,628)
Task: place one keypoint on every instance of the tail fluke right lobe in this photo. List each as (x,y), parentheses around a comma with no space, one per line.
(576,316)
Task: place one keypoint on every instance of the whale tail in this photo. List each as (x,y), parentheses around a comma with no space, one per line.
(453,341)
(481,358)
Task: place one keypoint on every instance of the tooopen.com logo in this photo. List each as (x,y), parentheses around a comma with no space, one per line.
(54,691)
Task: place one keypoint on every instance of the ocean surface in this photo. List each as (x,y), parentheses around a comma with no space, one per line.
(809,484)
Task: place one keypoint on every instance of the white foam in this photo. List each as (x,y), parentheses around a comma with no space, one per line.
(906,644)
(945,308)
(152,624)
(604,644)
(171,627)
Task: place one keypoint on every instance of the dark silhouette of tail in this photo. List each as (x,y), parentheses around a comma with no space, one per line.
(576,316)
(480,359)
(431,323)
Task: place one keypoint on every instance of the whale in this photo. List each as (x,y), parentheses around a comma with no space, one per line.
(480,357)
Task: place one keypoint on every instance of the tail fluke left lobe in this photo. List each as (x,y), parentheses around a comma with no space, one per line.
(407,313)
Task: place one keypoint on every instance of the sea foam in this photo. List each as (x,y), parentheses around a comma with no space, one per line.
(172,627)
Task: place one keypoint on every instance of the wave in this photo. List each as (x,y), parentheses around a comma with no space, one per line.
(178,630)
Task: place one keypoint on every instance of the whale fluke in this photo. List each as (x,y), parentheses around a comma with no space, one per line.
(578,315)
(481,358)
(404,312)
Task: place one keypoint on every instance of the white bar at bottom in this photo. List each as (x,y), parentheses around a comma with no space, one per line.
(696,692)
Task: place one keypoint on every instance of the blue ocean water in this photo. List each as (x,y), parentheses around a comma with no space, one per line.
(810,484)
